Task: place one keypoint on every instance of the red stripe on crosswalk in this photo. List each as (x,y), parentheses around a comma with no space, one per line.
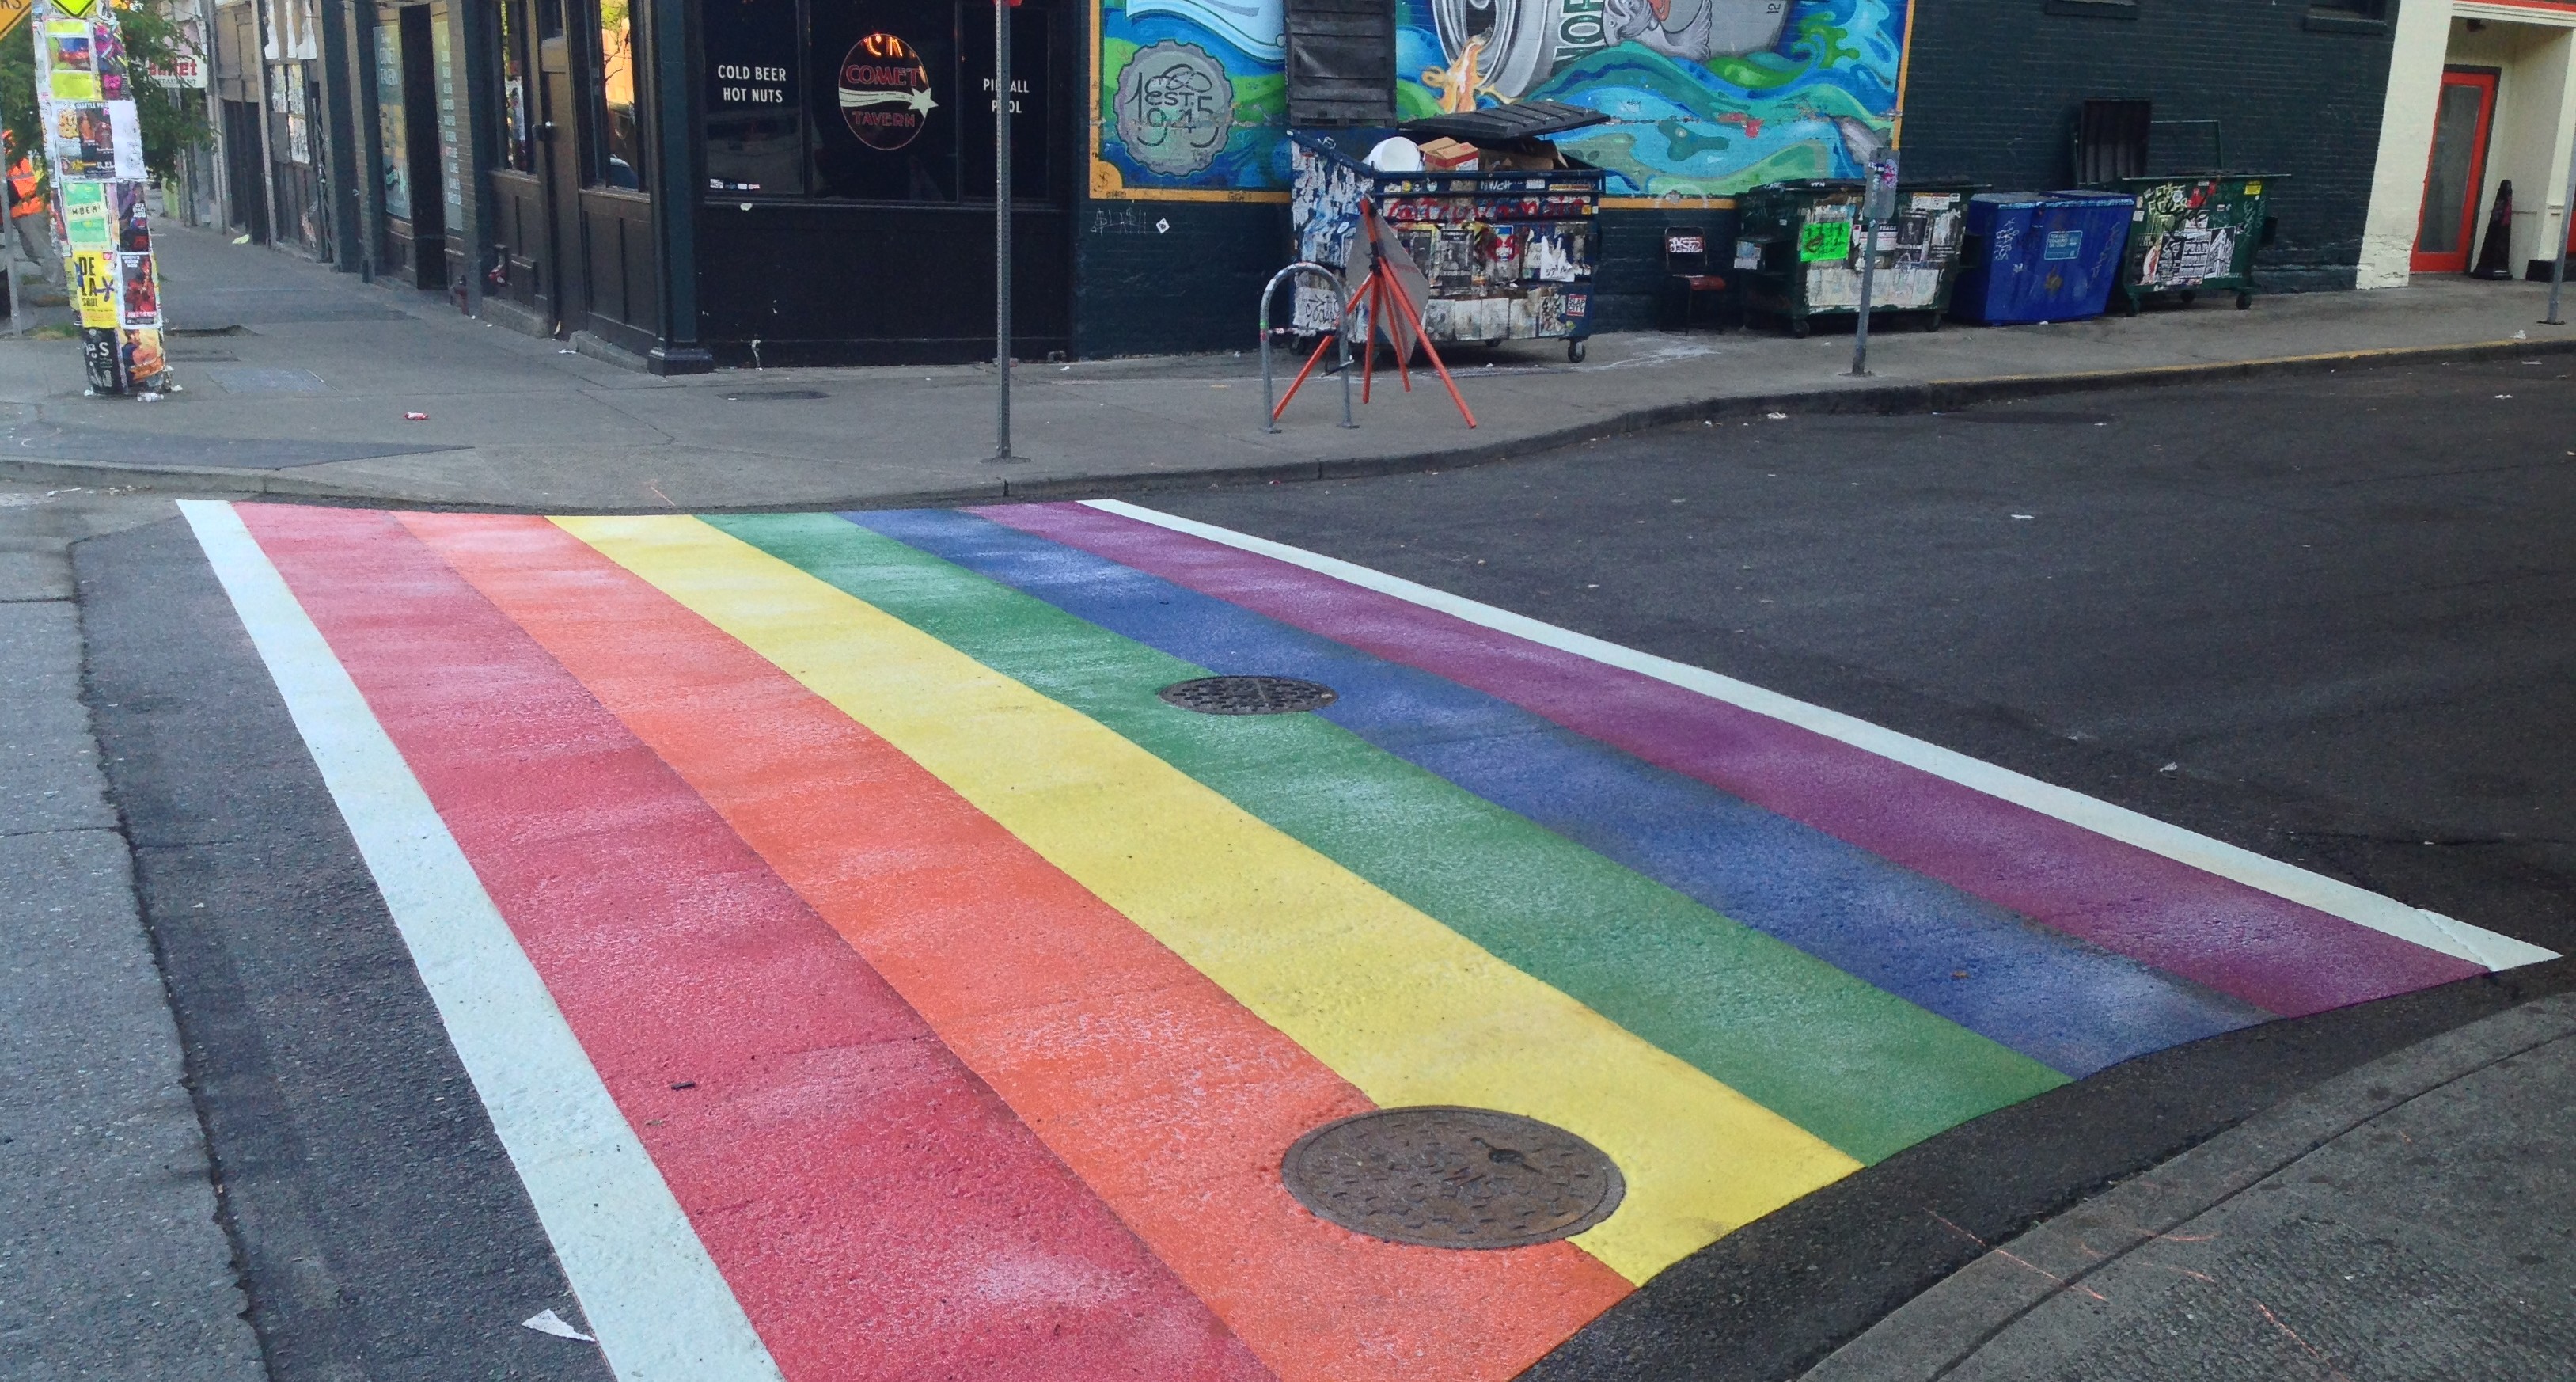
(876,1208)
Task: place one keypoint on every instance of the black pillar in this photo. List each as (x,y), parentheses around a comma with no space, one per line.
(676,121)
(344,142)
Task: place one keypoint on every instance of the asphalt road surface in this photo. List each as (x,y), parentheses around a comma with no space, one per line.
(683,913)
(2332,620)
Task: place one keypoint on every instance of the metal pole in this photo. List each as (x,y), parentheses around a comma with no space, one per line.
(1868,271)
(1002,230)
(1341,331)
(2566,222)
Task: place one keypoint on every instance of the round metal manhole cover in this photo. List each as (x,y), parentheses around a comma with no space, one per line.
(1453,1178)
(1249,695)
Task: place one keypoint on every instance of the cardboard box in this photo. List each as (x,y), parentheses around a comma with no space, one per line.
(1449,156)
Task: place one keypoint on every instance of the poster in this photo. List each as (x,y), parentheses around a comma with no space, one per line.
(103,358)
(1705,97)
(84,144)
(69,75)
(94,287)
(139,354)
(86,222)
(125,131)
(133,224)
(138,291)
(107,61)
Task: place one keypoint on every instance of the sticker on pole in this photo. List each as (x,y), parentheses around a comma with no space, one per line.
(885,92)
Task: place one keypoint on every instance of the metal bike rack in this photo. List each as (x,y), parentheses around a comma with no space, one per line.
(1341,328)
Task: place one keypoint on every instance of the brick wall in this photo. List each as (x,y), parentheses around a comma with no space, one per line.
(1994,86)
(1157,278)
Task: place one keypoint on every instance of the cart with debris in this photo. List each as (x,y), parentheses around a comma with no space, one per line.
(1504,253)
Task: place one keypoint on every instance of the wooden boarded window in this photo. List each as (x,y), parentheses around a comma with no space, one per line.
(1341,62)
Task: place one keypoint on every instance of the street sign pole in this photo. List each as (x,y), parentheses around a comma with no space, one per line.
(2566,225)
(1002,230)
(1877,208)
(1868,271)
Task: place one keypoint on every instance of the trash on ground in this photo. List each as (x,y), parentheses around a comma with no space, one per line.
(548,1322)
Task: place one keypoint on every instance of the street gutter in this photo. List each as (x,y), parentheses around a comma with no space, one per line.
(1929,396)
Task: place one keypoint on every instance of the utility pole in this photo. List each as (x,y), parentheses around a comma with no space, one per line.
(1002,230)
(1877,207)
(2566,224)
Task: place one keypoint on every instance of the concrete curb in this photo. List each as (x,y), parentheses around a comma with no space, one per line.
(1933,1334)
(1937,395)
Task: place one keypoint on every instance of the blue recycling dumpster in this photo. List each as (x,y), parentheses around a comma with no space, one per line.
(2041,256)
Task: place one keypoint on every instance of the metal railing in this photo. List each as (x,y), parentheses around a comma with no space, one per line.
(1341,330)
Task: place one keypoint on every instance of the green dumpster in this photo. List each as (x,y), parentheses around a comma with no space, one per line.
(1798,251)
(2194,234)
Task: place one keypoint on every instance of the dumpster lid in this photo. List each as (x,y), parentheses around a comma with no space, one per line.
(1502,124)
(2078,198)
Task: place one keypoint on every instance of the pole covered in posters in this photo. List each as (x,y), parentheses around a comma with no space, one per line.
(93,148)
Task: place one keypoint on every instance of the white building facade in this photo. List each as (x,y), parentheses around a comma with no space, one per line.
(2480,92)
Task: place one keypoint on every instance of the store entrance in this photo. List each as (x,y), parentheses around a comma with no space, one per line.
(559,169)
(848,212)
(2446,235)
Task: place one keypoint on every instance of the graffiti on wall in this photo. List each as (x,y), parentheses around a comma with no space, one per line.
(1706,97)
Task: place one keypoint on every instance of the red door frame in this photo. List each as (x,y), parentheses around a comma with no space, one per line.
(2483,78)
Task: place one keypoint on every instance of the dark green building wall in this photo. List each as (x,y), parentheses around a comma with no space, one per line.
(1995,85)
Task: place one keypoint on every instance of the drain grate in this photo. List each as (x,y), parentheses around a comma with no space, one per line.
(1453,1178)
(764,395)
(1249,695)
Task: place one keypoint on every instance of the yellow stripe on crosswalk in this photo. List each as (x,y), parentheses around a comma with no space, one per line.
(1404,1008)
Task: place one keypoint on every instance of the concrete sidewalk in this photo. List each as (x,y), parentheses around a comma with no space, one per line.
(2404,1220)
(306,392)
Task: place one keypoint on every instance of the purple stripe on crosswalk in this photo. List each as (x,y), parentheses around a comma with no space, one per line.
(2287,958)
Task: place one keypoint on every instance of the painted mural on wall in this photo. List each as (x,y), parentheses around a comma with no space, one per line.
(1707,97)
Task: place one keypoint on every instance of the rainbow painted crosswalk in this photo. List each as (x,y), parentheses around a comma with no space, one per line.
(945,1000)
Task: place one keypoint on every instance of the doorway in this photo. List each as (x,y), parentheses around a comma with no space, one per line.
(243,172)
(559,163)
(2446,233)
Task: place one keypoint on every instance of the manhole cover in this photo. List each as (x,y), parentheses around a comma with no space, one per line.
(1453,1178)
(762,395)
(1249,695)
